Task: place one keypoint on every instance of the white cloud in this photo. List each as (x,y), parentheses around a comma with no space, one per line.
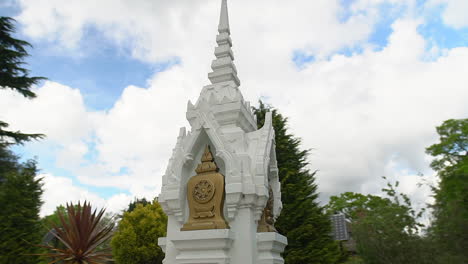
(62,190)
(158,30)
(118,202)
(365,116)
(131,141)
(454,13)
(364,112)
(137,134)
(59,113)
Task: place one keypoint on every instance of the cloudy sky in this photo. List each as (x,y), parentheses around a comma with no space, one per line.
(363,83)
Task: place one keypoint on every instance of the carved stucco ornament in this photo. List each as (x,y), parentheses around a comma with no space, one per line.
(205,195)
(267,221)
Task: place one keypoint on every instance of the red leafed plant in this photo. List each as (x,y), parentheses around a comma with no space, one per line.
(81,236)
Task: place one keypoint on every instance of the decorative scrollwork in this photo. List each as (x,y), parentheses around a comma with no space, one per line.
(203,191)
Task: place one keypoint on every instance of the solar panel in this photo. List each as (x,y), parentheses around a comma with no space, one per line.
(339,227)
(49,237)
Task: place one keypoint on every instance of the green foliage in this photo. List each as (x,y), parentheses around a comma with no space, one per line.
(386,229)
(8,161)
(452,149)
(136,240)
(352,205)
(54,219)
(20,189)
(302,219)
(12,55)
(15,137)
(354,260)
(20,202)
(450,226)
(80,235)
(132,205)
(14,76)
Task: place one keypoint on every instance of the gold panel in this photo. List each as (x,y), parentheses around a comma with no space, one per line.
(205,195)
(267,221)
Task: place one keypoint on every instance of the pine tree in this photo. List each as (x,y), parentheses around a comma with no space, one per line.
(20,202)
(14,76)
(302,219)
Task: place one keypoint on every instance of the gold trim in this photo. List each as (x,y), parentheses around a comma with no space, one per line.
(205,196)
(267,221)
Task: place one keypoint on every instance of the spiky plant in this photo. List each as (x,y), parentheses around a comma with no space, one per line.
(81,235)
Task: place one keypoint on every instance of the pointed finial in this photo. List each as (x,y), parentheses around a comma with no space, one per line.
(207,156)
(208,164)
(224,18)
(223,67)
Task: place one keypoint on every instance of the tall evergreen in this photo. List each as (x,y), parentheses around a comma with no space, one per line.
(20,202)
(14,76)
(302,219)
(20,189)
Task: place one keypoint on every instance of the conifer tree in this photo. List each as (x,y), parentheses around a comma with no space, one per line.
(20,189)
(302,219)
(20,202)
(14,76)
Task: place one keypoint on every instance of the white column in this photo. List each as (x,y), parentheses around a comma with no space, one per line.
(270,246)
(245,246)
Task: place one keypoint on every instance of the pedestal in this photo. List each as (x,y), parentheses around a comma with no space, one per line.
(270,246)
(203,246)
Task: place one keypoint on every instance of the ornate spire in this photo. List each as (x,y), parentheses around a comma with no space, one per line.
(223,67)
(224,18)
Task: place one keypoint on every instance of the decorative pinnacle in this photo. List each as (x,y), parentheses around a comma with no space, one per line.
(207,155)
(208,164)
(224,18)
(223,67)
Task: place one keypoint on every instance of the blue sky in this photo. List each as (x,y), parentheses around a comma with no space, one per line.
(101,74)
(100,69)
(109,64)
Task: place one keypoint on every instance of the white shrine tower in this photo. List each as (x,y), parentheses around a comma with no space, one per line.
(221,190)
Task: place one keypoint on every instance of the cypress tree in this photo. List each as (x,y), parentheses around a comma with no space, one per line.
(20,202)
(302,219)
(14,76)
